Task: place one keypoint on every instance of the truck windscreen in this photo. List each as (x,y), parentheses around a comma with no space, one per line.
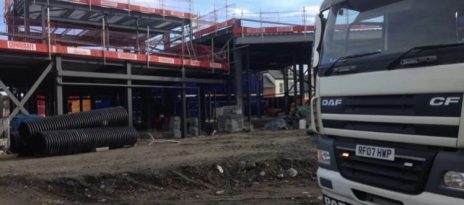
(389,30)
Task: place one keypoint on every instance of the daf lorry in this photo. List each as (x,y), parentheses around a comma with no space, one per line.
(388,106)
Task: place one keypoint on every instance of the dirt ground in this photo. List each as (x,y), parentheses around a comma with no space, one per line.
(250,168)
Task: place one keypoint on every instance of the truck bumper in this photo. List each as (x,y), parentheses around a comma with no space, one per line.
(342,189)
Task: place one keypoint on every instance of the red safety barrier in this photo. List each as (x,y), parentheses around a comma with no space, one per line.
(110,55)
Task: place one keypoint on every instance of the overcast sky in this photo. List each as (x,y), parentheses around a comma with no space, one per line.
(203,6)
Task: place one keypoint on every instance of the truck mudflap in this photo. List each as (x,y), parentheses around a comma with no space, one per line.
(350,192)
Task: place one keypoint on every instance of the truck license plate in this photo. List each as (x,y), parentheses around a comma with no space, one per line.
(382,153)
(330,201)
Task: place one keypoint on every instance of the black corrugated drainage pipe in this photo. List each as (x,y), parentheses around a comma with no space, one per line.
(63,142)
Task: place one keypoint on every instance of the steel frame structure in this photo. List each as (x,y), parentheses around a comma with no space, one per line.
(39,33)
(163,51)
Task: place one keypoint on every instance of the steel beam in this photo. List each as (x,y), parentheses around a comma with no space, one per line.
(116,12)
(13,97)
(274,39)
(32,90)
(122,85)
(113,26)
(98,75)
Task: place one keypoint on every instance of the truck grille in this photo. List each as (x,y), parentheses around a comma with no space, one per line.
(407,174)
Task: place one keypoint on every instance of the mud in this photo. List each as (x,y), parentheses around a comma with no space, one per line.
(231,169)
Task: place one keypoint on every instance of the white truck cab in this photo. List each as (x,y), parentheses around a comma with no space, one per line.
(388,106)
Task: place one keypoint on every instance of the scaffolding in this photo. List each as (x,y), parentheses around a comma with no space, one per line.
(134,30)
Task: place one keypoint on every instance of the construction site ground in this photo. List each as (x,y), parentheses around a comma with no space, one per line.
(261,167)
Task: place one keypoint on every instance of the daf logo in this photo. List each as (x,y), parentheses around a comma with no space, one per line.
(444,101)
(332,102)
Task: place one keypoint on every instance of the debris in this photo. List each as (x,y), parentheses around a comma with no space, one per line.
(102,149)
(262,173)
(220,192)
(230,119)
(251,164)
(307,194)
(220,169)
(102,186)
(199,183)
(213,132)
(166,141)
(152,139)
(280,176)
(242,164)
(277,124)
(102,200)
(292,172)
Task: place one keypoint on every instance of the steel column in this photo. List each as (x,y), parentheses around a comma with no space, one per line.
(259,90)
(199,110)
(286,90)
(27,28)
(238,69)
(295,83)
(184,92)
(43,17)
(202,104)
(129,95)
(248,84)
(310,81)
(59,87)
(302,82)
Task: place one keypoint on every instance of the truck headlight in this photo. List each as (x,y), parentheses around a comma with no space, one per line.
(454,180)
(323,157)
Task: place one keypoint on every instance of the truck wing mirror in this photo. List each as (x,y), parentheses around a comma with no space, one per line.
(317,41)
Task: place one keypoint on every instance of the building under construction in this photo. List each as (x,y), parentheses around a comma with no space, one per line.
(159,60)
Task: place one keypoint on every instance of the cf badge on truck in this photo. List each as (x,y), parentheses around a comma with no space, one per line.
(444,101)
